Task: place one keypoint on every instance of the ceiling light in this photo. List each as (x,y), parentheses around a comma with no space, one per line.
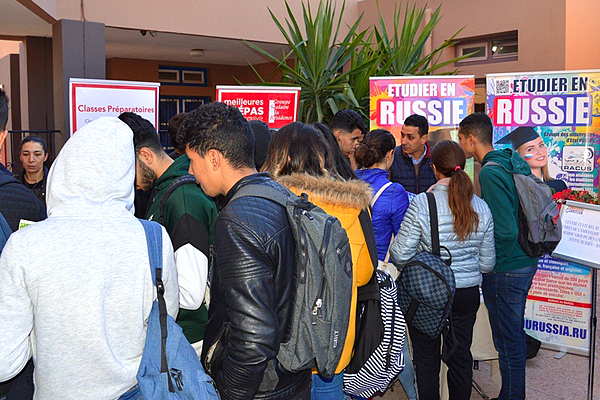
(197,53)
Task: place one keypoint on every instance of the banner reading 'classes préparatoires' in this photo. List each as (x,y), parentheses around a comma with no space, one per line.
(94,98)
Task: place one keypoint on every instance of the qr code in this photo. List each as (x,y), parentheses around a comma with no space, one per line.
(503,86)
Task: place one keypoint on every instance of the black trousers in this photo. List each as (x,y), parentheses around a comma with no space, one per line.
(21,386)
(427,353)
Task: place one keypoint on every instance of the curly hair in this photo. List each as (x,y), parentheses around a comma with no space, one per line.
(220,127)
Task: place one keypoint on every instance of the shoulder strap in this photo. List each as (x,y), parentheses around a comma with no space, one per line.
(263,191)
(379,192)
(154,244)
(370,291)
(182,180)
(433,221)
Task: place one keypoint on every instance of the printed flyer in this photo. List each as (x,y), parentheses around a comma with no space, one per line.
(443,100)
(564,108)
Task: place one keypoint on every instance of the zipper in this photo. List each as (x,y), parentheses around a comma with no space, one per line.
(317,310)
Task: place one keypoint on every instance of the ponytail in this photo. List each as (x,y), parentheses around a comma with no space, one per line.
(460,194)
(449,160)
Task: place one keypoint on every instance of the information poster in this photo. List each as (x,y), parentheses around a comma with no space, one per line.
(443,100)
(277,106)
(564,108)
(559,305)
(91,99)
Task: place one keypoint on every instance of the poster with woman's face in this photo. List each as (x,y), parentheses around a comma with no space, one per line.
(564,109)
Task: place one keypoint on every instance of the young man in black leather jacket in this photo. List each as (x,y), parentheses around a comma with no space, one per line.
(252,280)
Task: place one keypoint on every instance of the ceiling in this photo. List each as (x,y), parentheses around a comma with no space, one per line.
(130,43)
(17,20)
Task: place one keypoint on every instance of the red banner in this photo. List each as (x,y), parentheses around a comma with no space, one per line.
(277,106)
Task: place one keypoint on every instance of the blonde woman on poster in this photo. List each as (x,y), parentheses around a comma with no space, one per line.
(530,145)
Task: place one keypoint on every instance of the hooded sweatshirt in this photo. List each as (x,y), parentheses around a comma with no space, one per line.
(76,289)
(500,193)
(343,200)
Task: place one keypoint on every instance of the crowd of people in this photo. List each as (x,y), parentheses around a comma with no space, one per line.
(76,289)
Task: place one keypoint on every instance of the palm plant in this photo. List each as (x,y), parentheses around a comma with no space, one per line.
(402,52)
(316,60)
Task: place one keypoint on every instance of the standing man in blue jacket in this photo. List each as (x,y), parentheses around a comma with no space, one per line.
(412,166)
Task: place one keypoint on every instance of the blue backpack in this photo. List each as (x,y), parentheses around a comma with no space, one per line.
(5,232)
(170,367)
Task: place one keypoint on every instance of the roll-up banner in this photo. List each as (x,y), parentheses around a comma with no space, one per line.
(275,105)
(90,99)
(564,109)
(443,100)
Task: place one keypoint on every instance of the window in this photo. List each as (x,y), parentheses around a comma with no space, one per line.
(488,49)
(182,76)
(504,48)
(168,76)
(478,51)
(197,77)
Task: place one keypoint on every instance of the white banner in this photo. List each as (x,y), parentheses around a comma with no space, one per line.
(90,99)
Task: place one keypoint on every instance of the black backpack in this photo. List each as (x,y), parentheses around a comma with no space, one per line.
(426,284)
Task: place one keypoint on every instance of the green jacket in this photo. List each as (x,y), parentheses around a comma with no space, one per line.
(499,192)
(189,219)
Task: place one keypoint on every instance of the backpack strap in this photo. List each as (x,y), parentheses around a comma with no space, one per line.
(370,291)
(265,192)
(154,244)
(379,192)
(433,222)
(182,180)
(435,234)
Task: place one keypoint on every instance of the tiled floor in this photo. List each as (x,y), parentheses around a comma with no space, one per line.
(548,378)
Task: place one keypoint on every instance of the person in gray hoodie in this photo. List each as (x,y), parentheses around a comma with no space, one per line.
(76,289)
(466,229)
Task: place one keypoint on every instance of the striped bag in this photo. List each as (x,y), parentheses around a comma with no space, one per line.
(371,371)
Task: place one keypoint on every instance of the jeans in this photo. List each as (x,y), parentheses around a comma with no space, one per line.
(427,352)
(132,394)
(328,389)
(407,375)
(505,294)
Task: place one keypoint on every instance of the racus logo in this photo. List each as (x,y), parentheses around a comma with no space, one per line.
(178,378)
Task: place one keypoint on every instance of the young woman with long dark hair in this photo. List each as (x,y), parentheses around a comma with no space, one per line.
(466,229)
(300,159)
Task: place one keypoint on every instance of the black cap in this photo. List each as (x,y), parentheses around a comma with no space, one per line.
(519,136)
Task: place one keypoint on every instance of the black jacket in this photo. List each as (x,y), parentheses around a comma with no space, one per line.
(252,288)
(40,189)
(17,202)
(403,172)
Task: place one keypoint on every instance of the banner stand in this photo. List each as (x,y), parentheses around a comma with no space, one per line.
(593,321)
(579,246)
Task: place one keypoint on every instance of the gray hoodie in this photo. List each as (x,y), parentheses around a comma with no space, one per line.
(76,289)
